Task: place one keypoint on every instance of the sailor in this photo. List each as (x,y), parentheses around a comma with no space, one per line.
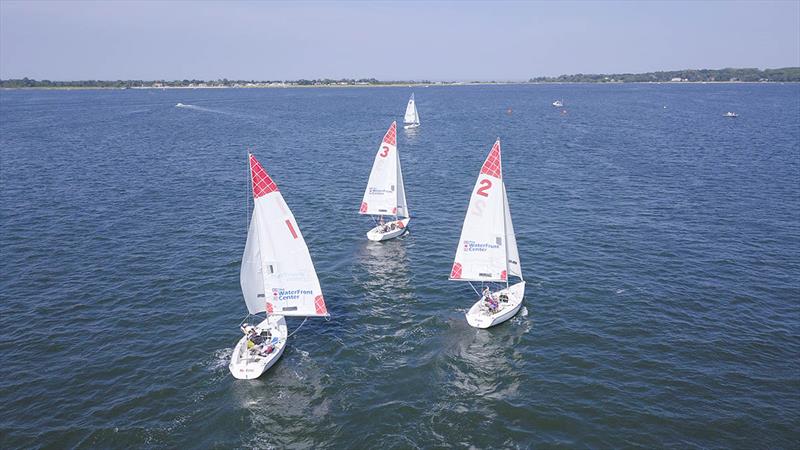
(491,303)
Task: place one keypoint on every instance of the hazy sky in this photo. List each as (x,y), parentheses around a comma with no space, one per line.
(68,40)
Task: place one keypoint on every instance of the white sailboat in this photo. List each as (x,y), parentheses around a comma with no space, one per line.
(277,277)
(558,103)
(487,251)
(385,194)
(411,119)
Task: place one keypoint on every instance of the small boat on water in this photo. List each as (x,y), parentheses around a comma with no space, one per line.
(487,251)
(411,118)
(558,103)
(385,194)
(277,278)
(730,114)
(179,105)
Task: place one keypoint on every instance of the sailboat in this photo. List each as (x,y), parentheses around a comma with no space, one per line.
(277,277)
(487,251)
(385,194)
(411,119)
(558,103)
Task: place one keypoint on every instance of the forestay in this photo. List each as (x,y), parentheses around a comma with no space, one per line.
(484,250)
(277,273)
(385,193)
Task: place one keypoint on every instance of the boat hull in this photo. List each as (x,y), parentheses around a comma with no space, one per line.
(410,126)
(400,227)
(479,317)
(247,365)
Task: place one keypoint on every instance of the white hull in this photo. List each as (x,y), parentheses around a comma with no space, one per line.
(247,365)
(400,227)
(480,317)
(410,126)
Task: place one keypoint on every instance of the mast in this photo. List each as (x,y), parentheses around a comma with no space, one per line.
(505,225)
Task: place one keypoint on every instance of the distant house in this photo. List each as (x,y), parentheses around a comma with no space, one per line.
(677,79)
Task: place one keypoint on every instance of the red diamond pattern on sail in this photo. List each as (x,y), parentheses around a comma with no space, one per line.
(391,135)
(269,307)
(456,272)
(363,207)
(319,305)
(492,165)
(262,183)
(503,275)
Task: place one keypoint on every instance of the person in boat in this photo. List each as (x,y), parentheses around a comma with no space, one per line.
(491,303)
(382,227)
(265,349)
(254,339)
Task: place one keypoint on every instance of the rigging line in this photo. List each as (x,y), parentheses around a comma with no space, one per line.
(473,288)
(246,189)
(298,327)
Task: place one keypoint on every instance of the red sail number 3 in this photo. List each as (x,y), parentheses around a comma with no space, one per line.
(384,152)
(485,185)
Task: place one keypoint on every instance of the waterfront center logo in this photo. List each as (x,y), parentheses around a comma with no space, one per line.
(472,246)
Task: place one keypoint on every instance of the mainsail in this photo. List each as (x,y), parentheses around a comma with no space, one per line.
(412,116)
(385,193)
(487,243)
(277,274)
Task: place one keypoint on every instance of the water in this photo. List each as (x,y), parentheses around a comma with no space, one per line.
(661,248)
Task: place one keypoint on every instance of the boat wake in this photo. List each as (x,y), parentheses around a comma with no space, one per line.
(200,108)
(219,360)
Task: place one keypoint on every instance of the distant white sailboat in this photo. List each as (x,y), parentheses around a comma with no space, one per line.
(277,277)
(385,194)
(558,103)
(730,114)
(411,119)
(487,251)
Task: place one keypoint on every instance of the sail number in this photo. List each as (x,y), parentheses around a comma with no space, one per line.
(479,204)
(486,184)
(385,151)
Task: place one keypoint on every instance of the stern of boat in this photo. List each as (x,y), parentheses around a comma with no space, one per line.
(401,226)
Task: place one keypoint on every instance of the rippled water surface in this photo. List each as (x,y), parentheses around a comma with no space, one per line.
(660,242)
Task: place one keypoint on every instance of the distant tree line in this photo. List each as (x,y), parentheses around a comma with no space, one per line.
(783,74)
(223,82)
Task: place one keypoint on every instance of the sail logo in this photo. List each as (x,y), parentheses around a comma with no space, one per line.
(380,191)
(286,294)
(472,246)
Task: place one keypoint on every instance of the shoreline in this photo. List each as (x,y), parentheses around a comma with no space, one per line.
(424,85)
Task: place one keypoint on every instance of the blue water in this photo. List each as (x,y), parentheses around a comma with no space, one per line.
(661,248)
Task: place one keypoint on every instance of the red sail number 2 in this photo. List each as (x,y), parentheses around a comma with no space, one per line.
(485,185)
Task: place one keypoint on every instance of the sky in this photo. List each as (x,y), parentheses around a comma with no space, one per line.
(392,40)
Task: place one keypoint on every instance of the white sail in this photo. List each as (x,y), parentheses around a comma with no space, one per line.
(384,194)
(481,253)
(514,264)
(277,273)
(402,205)
(411,116)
